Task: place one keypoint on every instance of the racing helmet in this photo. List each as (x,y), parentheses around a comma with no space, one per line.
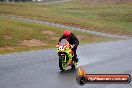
(67,33)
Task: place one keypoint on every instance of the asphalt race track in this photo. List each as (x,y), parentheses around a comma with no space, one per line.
(39,69)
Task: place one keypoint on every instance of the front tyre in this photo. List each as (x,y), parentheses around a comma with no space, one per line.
(62,63)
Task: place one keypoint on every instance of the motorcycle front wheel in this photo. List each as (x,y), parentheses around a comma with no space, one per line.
(62,63)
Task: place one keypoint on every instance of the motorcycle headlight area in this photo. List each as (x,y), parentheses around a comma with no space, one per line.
(61,48)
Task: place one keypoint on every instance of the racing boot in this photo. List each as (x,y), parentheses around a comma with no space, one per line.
(75,58)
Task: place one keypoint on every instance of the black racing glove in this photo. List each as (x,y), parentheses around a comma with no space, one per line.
(73,46)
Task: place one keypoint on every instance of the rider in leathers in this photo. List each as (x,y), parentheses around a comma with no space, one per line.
(73,40)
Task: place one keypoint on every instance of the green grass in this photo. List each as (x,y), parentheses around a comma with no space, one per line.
(14,31)
(111,18)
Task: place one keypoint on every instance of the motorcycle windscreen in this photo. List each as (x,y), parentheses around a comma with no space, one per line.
(63,42)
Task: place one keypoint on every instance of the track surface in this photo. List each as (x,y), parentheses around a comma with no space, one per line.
(39,69)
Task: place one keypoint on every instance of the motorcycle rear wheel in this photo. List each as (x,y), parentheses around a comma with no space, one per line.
(74,66)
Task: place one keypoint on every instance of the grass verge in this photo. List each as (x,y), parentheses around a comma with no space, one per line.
(110,18)
(16,36)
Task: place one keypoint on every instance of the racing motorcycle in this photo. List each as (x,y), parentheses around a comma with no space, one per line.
(65,54)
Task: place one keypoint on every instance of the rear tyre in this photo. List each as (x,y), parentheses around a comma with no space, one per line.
(74,65)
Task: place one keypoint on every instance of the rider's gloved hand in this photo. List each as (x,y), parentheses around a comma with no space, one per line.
(72,46)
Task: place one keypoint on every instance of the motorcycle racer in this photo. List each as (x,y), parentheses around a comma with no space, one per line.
(73,40)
